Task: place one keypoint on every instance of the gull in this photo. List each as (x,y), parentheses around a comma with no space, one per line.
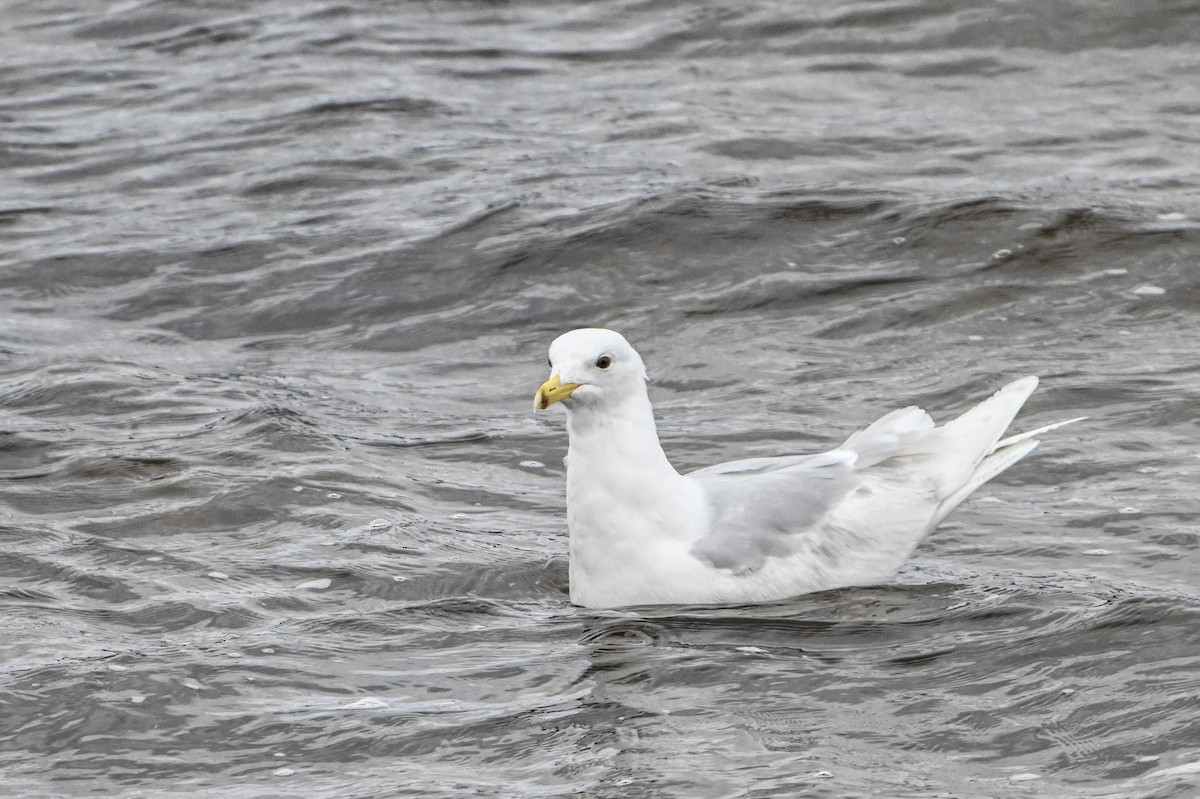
(760,529)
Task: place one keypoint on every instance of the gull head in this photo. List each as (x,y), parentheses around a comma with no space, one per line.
(591,367)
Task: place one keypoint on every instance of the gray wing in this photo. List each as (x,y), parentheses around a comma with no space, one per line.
(774,464)
(762,507)
(774,507)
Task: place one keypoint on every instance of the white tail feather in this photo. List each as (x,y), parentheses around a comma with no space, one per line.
(991,466)
(1004,453)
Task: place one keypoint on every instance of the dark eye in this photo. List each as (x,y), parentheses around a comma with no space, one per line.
(604,361)
(550,363)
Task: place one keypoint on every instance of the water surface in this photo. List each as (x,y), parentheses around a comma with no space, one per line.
(276,285)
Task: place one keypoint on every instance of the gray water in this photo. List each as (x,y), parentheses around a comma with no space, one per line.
(276,283)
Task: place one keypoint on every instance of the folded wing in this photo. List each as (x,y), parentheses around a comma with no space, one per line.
(854,514)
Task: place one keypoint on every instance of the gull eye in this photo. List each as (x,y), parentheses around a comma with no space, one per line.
(550,363)
(604,361)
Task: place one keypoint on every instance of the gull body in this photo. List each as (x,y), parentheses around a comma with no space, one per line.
(760,529)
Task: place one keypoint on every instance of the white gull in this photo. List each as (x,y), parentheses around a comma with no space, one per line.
(759,529)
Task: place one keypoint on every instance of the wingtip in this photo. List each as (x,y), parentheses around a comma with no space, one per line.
(1031,433)
(1024,385)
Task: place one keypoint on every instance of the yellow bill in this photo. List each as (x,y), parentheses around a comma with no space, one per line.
(552,391)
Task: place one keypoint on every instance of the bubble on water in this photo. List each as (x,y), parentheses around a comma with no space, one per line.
(823,775)
(367,703)
(1025,777)
(1099,553)
(1001,254)
(316,585)
(1149,291)
(333,495)
(1128,509)
(284,772)
(188,682)
(137,699)
(899,240)
(1116,272)
(298,489)
(533,465)
(379,524)
(1173,216)
(154,558)
(218,575)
